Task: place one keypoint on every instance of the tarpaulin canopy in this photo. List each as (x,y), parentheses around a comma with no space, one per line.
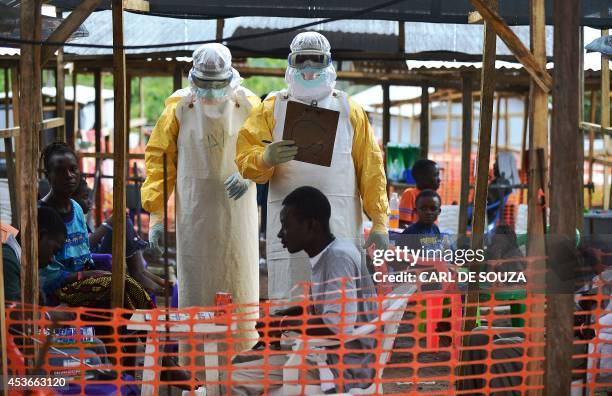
(595,13)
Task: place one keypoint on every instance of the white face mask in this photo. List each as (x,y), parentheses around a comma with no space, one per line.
(310,83)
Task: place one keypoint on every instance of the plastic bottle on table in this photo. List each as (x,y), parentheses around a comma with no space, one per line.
(394,206)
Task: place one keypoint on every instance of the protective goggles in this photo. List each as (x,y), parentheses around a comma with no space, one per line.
(210,84)
(309,58)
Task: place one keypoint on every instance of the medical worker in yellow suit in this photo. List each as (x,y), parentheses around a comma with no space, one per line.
(216,214)
(354,182)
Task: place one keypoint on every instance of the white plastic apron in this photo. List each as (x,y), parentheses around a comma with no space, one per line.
(217,237)
(337,182)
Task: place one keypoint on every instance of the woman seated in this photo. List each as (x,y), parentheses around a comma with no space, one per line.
(100,241)
(71,278)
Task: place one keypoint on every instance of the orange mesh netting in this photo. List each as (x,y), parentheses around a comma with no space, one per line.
(420,347)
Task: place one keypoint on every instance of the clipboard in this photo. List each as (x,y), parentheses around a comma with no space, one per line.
(314,131)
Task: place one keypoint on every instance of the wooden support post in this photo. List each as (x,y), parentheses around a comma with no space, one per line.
(177,78)
(128,105)
(16,105)
(506,124)
(141,113)
(401,37)
(524,141)
(537,180)
(497,111)
(98,123)
(6,98)
(60,100)
(400,126)
(605,121)
(120,151)
(592,143)
(10,157)
(220,26)
(3,330)
(386,121)
(424,121)
(487,96)
(31,116)
(75,119)
(449,127)
(466,152)
(564,182)
(67,27)
(413,131)
(580,146)
(60,86)
(522,54)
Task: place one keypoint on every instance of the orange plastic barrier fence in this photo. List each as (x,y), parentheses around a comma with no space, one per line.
(417,344)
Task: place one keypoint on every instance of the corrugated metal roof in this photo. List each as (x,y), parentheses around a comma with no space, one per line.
(430,39)
(10,24)
(142,30)
(515,12)
(464,39)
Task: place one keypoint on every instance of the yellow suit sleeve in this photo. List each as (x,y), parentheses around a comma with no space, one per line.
(163,140)
(250,146)
(371,178)
(253,100)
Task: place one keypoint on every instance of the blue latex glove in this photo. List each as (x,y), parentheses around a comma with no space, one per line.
(236,186)
(156,235)
(379,239)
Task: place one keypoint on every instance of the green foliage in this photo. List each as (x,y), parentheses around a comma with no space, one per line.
(264,85)
(155,92)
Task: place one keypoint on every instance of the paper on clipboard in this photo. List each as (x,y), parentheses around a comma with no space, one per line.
(314,131)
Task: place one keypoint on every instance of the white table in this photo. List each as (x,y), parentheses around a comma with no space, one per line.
(206,329)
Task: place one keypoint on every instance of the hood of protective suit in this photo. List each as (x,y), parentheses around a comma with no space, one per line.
(214,101)
(213,63)
(305,89)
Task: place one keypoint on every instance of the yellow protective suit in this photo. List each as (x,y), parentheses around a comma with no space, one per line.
(217,239)
(369,179)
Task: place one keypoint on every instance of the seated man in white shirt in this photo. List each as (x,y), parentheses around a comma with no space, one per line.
(337,271)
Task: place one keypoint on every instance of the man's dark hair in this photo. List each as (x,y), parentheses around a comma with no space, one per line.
(51,221)
(421,167)
(427,194)
(310,203)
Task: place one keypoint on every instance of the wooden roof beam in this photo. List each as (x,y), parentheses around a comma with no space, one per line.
(67,27)
(136,5)
(522,54)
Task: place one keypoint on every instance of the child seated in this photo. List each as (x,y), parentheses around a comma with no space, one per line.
(429,236)
(426,173)
(100,241)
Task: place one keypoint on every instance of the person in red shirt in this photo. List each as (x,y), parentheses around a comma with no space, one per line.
(426,174)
